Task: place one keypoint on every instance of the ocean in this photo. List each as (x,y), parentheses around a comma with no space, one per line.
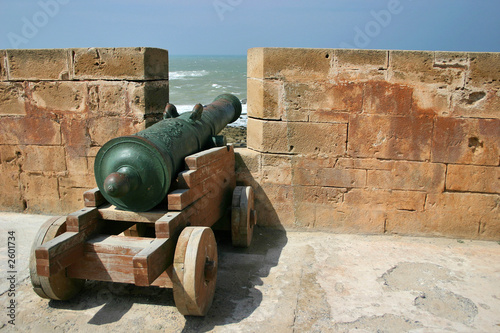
(199,79)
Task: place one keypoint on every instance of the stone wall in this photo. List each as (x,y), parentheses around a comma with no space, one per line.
(58,107)
(400,142)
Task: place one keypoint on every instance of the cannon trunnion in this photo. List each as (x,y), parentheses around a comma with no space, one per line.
(123,235)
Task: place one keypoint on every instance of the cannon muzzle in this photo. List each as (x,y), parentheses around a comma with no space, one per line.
(135,172)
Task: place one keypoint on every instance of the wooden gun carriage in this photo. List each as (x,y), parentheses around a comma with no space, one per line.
(171,246)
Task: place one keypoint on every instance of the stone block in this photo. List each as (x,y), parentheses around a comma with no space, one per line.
(34,65)
(12,99)
(385,200)
(148,98)
(59,96)
(341,177)
(351,64)
(317,138)
(473,178)
(263,99)
(445,59)
(274,205)
(466,141)
(103,129)
(267,136)
(30,131)
(484,70)
(309,199)
(478,103)
(328,116)
(108,97)
(78,164)
(414,176)
(138,63)
(381,97)
(276,169)
(41,192)
(345,219)
(465,215)
(247,166)
(431,101)
(390,137)
(419,66)
(364,163)
(3,65)
(11,198)
(75,135)
(44,158)
(11,157)
(346,96)
(410,223)
(289,63)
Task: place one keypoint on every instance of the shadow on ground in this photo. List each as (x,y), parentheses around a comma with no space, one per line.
(237,295)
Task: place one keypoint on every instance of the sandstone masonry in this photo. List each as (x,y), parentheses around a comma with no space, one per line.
(368,141)
(59,106)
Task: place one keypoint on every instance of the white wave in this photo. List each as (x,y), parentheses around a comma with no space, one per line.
(179,75)
(217,86)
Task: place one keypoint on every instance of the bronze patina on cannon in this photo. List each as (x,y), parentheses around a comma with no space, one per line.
(149,221)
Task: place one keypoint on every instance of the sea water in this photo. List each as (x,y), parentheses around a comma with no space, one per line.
(199,79)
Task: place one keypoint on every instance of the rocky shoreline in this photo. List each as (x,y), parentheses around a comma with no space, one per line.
(235,135)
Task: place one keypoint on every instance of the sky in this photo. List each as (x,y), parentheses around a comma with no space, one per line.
(231,27)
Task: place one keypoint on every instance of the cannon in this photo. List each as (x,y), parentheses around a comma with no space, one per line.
(149,222)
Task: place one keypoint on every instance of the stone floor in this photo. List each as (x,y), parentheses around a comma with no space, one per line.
(286,281)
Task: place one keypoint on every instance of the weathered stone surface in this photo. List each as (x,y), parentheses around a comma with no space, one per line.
(30,131)
(44,64)
(467,215)
(353,65)
(346,219)
(478,103)
(103,129)
(430,101)
(11,197)
(40,189)
(345,96)
(59,96)
(263,99)
(3,65)
(328,116)
(381,97)
(317,138)
(274,205)
(364,163)
(484,70)
(289,63)
(418,66)
(148,98)
(75,136)
(340,177)
(445,59)
(44,158)
(385,199)
(12,99)
(388,137)
(267,136)
(416,176)
(276,169)
(138,63)
(473,178)
(466,141)
(108,97)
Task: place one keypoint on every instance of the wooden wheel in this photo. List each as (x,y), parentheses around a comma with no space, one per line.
(58,286)
(195,271)
(243,216)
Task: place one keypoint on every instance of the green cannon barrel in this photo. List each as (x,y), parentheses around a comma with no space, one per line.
(135,172)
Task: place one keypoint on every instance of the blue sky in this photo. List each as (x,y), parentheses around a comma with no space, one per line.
(223,27)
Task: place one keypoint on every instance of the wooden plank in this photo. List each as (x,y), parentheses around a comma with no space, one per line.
(93,198)
(208,156)
(191,178)
(153,260)
(170,224)
(112,244)
(165,279)
(180,199)
(82,219)
(93,269)
(111,213)
(61,251)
